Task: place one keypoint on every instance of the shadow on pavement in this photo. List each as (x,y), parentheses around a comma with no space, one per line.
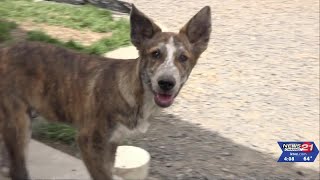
(181,150)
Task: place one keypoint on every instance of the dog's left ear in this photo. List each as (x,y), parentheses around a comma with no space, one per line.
(198,30)
(142,28)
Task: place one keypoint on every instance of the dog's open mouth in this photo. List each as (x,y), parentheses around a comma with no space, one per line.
(163,100)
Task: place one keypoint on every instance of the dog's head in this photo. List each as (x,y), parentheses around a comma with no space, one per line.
(166,58)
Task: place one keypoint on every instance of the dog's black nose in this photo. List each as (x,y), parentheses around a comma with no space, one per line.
(166,84)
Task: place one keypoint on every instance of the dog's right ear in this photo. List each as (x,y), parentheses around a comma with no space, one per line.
(142,28)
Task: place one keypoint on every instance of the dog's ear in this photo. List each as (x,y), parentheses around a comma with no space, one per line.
(142,28)
(198,30)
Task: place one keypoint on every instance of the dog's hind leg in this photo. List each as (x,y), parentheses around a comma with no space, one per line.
(15,128)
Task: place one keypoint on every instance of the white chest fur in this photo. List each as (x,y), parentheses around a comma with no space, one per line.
(121,131)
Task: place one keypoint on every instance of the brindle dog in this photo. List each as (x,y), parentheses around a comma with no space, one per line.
(103,98)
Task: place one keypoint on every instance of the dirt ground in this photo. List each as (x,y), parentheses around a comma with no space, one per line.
(84,37)
(65,34)
(185,151)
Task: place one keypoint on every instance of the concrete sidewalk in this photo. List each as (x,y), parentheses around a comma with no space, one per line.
(45,162)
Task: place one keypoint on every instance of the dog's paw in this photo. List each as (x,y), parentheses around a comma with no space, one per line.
(4,161)
(4,167)
(4,171)
(115,177)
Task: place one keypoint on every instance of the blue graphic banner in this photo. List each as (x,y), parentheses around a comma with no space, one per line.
(298,151)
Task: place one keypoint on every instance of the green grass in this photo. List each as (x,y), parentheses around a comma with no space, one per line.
(5,28)
(118,39)
(61,14)
(43,37)
(75,17)
(55,131)
(100,47)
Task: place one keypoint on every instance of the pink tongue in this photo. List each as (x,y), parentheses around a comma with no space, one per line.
(163,98)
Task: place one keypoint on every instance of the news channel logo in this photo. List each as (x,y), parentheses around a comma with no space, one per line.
(298,151)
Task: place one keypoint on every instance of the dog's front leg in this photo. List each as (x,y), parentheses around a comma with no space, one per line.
(98,154)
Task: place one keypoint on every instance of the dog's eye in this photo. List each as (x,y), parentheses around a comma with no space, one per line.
(156,54)
(183,58)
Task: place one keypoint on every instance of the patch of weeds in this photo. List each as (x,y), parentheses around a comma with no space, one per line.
(43,37)
(61,14)
(55,131)
(118,39)
(100,47)
(5,29)
(76,17)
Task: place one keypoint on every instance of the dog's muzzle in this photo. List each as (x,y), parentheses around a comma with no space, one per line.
(165,94)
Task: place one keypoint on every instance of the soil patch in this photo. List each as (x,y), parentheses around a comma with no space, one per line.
(65,34)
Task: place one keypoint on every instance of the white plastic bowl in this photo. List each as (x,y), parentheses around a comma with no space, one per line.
(132,163)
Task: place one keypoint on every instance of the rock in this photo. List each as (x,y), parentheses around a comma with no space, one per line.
(225,170)
(300,173)
(230,176)
(180,177)
(226,154)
